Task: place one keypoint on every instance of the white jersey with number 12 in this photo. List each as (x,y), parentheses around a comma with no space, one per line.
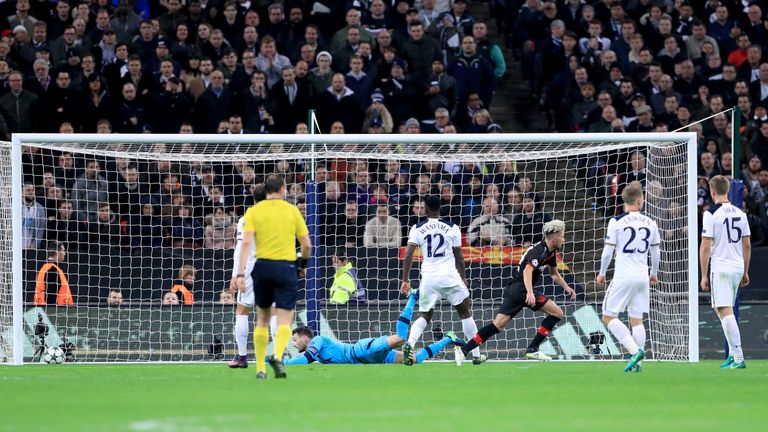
(436,239)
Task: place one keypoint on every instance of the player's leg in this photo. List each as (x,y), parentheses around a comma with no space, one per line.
(263,297)
(724,288)
(617,299)
(241,337)
(512,303)
(554,315)
(404,321)
(639,306)
(435,348)
(468,326)
(427,300)
(245,303)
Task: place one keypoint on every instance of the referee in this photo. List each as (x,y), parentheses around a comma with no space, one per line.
(274,225)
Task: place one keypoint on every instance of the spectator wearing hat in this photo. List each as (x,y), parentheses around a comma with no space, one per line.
(162,53)
(473,73)
(377,110)
(398,92)
(462,20)
(412,126)
(441,91)
(644,120)
(320,76)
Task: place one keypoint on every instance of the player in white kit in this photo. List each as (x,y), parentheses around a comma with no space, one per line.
(443,275)
(246,299)
(726,249)
(632,235)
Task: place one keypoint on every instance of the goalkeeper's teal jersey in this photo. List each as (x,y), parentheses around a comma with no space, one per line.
(328,351)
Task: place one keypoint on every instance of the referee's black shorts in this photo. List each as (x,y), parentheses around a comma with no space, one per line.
(514,299)
(275,282)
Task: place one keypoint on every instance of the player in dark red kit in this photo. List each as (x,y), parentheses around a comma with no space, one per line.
(521,293)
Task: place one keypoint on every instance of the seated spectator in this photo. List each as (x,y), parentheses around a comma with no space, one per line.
(34,219)
(219,230)
(114,297)
(182,288)
(490,228)
(106,231)
(349,229)
(170,298)
(186,231)
(146,229)
(360,190)
(529,223)
(64,227)
(416,213)
(513,205)
(382,231)
(346,286)
(51,284)
(226,297)
(450,205)
(707,166)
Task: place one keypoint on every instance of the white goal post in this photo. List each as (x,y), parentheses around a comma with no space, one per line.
(553,164)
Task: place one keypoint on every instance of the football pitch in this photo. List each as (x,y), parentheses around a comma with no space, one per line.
(519,396)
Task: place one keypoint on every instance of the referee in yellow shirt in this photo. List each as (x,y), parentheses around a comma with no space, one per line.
(274,225)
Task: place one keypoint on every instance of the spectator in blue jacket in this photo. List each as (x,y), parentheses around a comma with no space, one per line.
(473,73)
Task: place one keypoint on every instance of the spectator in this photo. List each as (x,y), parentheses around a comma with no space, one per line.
(18,106)
(349,230)
(346,286)
(529,223)
(215,104)
(219,230)
(758,88)
(106,231)
(51,284)
(490,228)
(450,204)
(34,219)
(114,297)
(183,287)
(170,299)
(513,204)
(186,231)
(473,73)
(226,297)
(88,191)
(292,100)
(270,62)
(708,168)
(146,230)
(382,231)
(340,105)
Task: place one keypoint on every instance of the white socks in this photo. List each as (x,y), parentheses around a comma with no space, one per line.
(417,328)
(470,330)
(273,326)
(241,334)
(732,335)
(638,334)
(621,332)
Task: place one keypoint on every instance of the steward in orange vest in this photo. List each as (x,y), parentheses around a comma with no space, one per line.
(183,289)
(51,284)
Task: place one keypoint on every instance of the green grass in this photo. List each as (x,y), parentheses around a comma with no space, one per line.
(549,397)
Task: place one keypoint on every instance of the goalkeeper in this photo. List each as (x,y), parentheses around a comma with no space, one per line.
(378,350)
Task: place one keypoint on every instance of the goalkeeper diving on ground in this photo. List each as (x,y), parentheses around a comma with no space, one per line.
(325,350)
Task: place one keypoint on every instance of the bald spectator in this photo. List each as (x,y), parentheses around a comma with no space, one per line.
(215,104)
(18,106)
(339,104)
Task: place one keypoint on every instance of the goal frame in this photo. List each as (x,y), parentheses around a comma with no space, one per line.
(19,140)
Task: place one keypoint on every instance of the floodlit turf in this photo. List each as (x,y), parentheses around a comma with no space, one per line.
(429,397)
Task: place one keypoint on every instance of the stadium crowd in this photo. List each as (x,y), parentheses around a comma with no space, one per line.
(374,67)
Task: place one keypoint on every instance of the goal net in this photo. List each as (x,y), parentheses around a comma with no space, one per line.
(122,245)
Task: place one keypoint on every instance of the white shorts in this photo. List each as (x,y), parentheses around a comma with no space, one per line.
(630,295)
(724,286)
(247,298)
(432,290)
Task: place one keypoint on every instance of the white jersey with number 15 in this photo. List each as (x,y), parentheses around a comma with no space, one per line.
(726,225)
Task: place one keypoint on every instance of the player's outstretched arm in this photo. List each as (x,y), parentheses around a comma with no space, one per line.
(555,274)
(300,360)
(405,286)
(746,250)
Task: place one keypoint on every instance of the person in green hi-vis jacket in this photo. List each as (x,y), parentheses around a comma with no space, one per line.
(346,285)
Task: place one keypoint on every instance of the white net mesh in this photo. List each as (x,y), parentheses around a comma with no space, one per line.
(6,271)
(143,223)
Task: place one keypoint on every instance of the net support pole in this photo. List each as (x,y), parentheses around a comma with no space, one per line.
(693,253)
(17,248)
(736,192)
(313,289)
